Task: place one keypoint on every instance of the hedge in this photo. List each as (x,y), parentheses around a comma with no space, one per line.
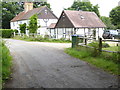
(6,33)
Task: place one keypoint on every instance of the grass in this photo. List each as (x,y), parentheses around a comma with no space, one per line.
(0,65)
(108,63)
(6,62)
(41,39)
(112,48)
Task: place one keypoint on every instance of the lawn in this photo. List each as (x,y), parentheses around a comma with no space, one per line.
(106,61)
(112,48)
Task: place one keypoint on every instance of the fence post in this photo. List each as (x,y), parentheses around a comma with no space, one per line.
(100,44)
(85,41)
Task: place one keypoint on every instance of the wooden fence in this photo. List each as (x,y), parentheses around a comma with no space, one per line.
(83,41)
(100,45)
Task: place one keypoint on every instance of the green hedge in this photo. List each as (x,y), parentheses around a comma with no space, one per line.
(6,33)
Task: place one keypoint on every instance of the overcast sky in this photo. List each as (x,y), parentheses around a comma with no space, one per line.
(105,5)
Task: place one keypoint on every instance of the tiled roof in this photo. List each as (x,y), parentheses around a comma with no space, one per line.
(79,19)
(40,11)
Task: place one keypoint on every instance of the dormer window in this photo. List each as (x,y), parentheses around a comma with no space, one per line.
(82,17)
(63,15)
(45,11)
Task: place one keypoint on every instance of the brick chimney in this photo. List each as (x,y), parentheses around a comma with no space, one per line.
(28,6)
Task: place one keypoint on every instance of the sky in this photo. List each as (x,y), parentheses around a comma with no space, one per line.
(105,5)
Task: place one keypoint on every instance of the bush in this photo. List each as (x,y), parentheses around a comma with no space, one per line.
(46,37)
(22,27)
(15,30)
(96,45)
(6,33)
(6,62)
(105,45)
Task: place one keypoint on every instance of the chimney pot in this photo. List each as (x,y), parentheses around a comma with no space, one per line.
(28,6)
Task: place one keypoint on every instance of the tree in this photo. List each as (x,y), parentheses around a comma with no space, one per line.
(107,22)
(95,9)
(115,16)
(33,24)
(38,4)
(23,27)
(85,6)
(11,9)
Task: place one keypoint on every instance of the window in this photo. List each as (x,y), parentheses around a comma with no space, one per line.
(13,23)
(20,22)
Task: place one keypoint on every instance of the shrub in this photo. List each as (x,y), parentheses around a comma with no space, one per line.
(95,51)
(96,44)
(105,45)
(6,62)
(22,27)
(62,39)
(15,30)
(46,37)
(6,33)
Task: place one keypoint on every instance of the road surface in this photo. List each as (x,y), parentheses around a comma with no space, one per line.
(45,65)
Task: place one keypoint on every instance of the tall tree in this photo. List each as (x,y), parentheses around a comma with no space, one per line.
(11,9)
(107,22)
(32,27)
(85,6)
(115,16)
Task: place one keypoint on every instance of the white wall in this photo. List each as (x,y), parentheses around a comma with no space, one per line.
(42,30)
(70,31)
(15,25)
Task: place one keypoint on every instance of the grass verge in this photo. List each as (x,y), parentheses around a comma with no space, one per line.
(101,61)
(6,61)
(112,48)
(41,39)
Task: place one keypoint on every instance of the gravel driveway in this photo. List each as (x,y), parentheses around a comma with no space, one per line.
(45,65)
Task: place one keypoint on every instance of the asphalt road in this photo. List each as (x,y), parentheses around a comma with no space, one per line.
(45,65)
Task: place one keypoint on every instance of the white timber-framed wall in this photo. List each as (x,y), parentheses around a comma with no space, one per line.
(58,33)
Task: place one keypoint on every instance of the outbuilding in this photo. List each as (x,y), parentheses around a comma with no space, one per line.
(83,23)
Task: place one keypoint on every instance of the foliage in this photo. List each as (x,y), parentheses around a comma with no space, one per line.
(6,33)
(107,22)
(41,39)
(0,64)
(33,24)
(11,9)
(6,62)
(15,30)
(85,6)
(108,63)
(38,4)
(22,27)
(105,45)
(96,44)
(115,16)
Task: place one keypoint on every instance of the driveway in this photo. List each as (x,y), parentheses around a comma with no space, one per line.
(45,65)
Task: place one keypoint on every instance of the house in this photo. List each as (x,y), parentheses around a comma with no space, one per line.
(45,18)
(83,23)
